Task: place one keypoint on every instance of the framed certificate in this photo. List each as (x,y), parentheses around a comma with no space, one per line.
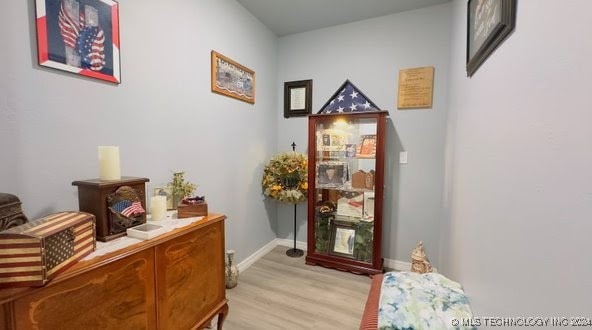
(297,98)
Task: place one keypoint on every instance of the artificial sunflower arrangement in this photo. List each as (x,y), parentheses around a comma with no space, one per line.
(285,178)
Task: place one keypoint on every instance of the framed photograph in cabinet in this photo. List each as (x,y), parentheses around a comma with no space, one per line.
(331,174)
(367,146)
(232,79)
(331,140)
(297,98)
(489,22)
(79,36)
(343,236)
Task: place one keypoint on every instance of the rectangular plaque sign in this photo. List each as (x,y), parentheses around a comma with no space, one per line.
(416,88)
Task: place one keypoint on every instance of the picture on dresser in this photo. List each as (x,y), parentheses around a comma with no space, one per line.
(79,36)
(166,192)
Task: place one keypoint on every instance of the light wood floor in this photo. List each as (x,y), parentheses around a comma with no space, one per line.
(280,292)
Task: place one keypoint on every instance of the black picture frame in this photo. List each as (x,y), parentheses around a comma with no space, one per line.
(489,22)
(295,103)
(343,238)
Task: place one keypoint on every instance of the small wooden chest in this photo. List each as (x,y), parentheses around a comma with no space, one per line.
(192,210)
(33,253)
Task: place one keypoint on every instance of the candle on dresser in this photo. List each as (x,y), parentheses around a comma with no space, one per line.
(158,207)
(109,163)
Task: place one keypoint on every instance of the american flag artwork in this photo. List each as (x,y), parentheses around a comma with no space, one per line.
(79,36)
(128,208)
(69,26)
(348,98)
(90,46)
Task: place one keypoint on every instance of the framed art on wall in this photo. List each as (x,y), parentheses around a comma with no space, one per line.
(79,36)
(489,22)
(232,79)
(297,98)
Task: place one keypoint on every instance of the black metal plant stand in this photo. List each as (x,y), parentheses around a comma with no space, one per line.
(294,253)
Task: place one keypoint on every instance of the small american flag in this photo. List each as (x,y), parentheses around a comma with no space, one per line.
(121,205)
(135,208)
(348,98)
(128,208)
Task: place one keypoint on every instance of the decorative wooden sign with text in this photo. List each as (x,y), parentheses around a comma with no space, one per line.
(416,86)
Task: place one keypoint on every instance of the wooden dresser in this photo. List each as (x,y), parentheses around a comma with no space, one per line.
(173,281)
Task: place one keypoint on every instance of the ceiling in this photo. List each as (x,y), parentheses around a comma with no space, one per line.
(285,17)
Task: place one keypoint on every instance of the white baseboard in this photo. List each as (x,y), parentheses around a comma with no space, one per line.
(290,243)
(397,265)
(401,266)
(243,265)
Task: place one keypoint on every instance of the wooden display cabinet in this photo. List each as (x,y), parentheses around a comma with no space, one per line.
(345,189)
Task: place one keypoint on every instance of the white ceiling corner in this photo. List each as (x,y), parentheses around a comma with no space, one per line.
(284,17)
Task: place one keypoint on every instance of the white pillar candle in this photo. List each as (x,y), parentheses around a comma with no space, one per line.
(158,207)
(109,163)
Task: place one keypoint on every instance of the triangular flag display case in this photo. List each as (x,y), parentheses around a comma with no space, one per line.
(346,144)
(348,98)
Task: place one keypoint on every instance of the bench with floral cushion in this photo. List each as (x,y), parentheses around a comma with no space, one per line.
(406,300)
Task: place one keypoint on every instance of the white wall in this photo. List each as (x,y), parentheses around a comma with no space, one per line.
(519,176)
(163,115)
(370,53)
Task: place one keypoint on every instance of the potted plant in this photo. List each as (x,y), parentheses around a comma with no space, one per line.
(180,188)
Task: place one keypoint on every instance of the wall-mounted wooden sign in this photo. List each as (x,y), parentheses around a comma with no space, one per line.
(416,86)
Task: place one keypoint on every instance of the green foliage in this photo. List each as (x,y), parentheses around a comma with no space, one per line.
(363,244)
(322,234)
(179,187)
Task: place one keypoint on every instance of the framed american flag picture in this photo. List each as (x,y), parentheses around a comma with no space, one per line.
(79,36)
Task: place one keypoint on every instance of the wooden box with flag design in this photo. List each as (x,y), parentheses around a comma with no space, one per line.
(33,253)
(116,204)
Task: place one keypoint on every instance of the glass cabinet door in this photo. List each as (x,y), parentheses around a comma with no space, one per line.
(344,186)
